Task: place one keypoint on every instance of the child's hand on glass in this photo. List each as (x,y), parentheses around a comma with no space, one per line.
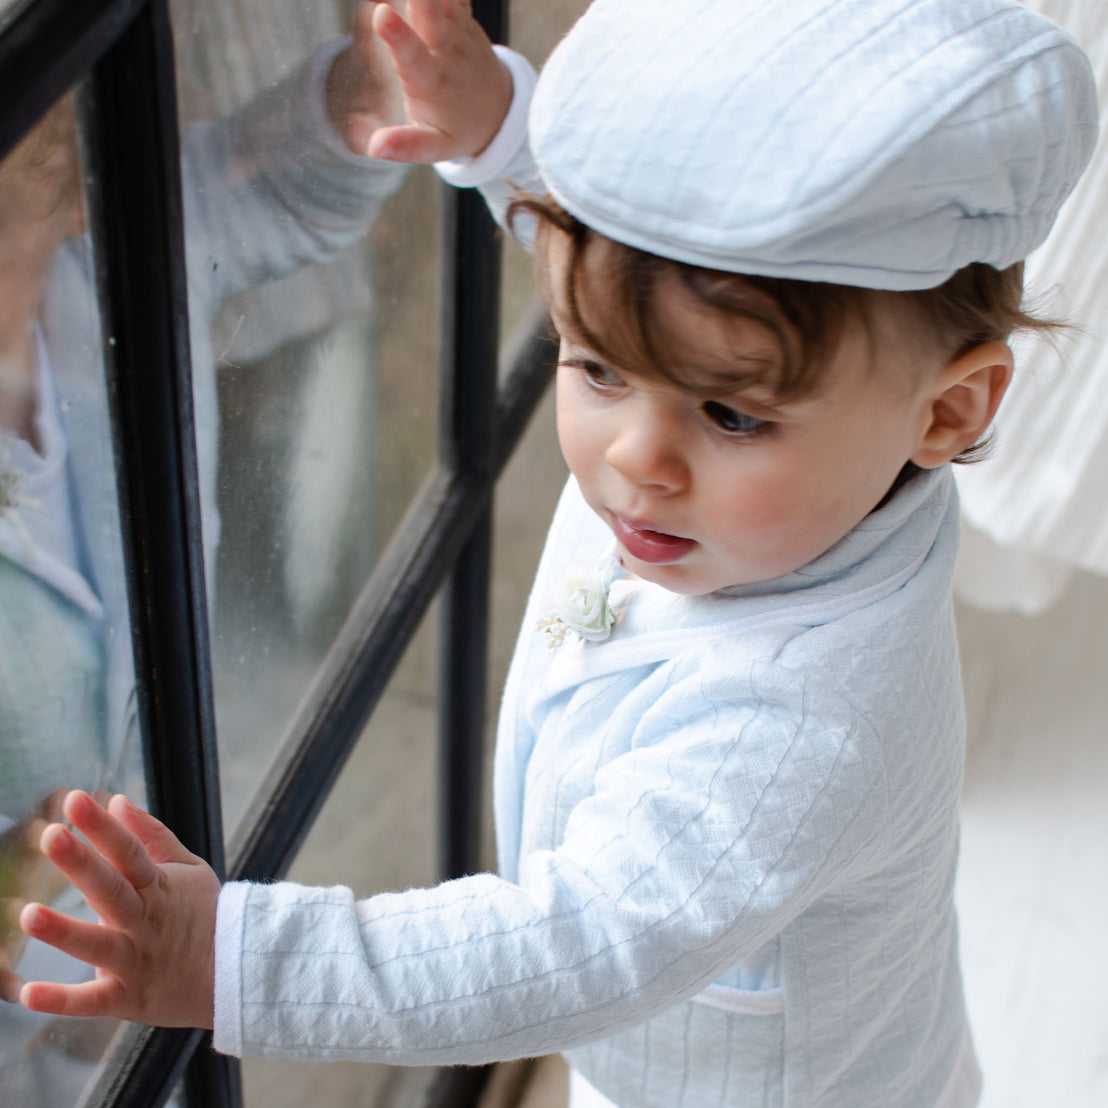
(154,944)
(456,90)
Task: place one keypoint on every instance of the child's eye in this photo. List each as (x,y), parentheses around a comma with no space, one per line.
(731,421)
(599,376)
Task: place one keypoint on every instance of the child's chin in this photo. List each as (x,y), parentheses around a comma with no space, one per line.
(674,577)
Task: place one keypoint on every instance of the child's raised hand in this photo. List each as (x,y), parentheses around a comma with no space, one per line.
(456,90)
(154,947)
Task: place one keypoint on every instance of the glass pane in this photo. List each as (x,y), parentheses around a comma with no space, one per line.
(377,832)
(314,332)
(67,706)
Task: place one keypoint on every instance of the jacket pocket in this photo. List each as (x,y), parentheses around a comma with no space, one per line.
(743,1002)
(745,1030)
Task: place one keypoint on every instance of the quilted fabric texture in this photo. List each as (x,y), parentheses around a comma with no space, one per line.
(884,144)
(728,837)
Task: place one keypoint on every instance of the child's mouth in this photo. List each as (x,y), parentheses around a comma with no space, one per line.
(654,547)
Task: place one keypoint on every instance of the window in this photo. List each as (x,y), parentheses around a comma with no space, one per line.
(254,403)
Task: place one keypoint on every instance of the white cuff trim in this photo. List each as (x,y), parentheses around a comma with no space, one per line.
(229,922)
(491,162)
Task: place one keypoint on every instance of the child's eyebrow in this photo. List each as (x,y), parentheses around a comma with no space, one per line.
(740,374)
(712,375)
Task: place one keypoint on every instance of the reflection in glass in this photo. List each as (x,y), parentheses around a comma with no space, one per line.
(67,703)
(313,319)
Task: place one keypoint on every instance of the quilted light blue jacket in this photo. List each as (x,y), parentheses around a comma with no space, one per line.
(727,841)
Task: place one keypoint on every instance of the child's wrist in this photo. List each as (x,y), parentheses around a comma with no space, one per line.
(490,163)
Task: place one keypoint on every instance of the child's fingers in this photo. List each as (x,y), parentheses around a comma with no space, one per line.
(435,20)
(408,144)
(416,68)
(119,847)
(88,942)
(102,997)
(124,835)
(112,896)
(160,843)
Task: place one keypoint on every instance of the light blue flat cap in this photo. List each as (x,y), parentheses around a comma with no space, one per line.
(880,143)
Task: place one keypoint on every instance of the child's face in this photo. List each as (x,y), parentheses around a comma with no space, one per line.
(704,488)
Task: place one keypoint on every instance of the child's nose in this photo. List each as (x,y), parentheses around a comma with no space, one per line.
(648,450)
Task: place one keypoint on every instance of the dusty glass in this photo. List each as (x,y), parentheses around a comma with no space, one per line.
(313,309)
(67,705)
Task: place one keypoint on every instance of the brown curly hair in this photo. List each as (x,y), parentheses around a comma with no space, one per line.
(977,304)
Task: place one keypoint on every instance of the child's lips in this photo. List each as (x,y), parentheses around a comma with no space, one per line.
(657,548)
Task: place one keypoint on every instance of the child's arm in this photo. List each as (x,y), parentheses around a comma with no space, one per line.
(456,91)
(153,948)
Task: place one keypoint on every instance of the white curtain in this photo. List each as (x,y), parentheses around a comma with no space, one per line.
(1038,508)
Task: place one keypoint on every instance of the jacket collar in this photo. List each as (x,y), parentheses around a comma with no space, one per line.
(873,561)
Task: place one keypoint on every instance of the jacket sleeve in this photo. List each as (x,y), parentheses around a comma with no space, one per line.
(731,811)
(273,187)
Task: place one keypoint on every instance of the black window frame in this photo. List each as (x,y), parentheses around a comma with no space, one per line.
(124,50)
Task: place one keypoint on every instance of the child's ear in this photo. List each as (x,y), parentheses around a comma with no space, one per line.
(962,402)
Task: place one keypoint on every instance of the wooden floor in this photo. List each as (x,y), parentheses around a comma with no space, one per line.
(1033,884)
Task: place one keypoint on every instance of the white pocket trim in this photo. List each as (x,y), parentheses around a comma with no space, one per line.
(742,1002)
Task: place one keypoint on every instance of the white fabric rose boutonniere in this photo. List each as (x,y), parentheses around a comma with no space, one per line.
(578,609)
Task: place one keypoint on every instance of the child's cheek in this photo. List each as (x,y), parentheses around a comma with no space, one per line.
(573,432)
